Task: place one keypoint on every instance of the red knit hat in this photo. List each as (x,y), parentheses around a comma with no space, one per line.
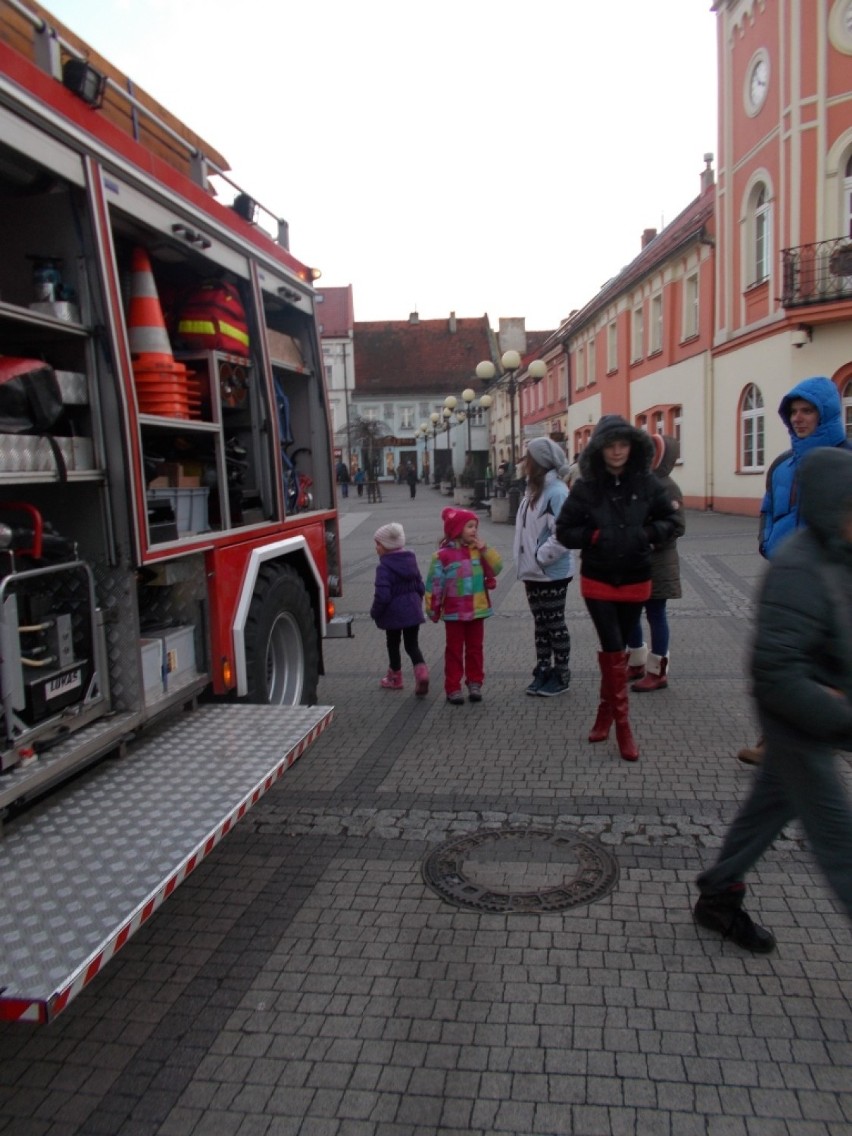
(455,520)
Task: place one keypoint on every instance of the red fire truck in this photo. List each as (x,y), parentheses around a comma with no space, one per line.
(168,532)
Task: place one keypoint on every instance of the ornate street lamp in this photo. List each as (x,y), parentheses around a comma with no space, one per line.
(510,362)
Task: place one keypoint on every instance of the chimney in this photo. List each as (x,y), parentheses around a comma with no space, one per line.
(648,236)
(453,325)
(707,176)
(414,317)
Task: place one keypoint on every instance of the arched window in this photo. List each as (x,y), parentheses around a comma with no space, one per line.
(847,408)
(762,247)
(751,429)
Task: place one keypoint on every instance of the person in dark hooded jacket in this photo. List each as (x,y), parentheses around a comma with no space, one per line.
(616,514)
(801,667)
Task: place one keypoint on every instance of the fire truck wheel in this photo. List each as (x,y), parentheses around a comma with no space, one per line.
(282,652)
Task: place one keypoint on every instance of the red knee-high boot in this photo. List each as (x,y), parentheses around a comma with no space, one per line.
(617,668)
(603,723)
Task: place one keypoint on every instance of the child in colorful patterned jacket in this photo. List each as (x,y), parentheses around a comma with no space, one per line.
(462,572)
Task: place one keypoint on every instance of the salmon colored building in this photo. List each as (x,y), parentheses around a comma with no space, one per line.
(783,306)
(749,289)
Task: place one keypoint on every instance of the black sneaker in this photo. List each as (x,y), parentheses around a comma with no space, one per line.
(456,698)
(724,913)
(539,679)
(555,684)
(474,692)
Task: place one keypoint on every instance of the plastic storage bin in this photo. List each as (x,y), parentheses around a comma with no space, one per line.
(189,507)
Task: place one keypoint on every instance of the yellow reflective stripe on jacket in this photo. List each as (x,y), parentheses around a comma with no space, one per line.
(197,327)
(234,333)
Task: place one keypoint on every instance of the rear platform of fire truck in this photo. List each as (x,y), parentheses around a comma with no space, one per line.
(169,547)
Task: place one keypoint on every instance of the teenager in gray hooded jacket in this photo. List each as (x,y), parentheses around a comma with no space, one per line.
(801,670)
(544,566)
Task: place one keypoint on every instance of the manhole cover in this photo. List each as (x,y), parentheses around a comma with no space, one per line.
(520,869)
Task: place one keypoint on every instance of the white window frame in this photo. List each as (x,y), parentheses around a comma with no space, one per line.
(677,425)
(591,363)
(752,430)
(655,331)
(580,369)
(846,396)
(612,347)
(761,234)
(637,334)
(690,306)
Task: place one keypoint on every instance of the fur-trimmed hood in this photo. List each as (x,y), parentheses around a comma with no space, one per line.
(610,428)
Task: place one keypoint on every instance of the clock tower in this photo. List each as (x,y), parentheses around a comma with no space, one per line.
(784,161)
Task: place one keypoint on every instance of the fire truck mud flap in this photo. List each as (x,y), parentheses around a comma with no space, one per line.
(82,874)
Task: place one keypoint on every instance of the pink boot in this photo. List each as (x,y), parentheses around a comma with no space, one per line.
(392,680)
(421,679)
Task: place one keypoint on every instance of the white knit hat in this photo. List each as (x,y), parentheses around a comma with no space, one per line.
(391,536)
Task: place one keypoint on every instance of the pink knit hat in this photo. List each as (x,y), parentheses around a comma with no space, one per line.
(455,520)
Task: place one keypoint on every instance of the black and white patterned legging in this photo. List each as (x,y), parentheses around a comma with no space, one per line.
(552,640)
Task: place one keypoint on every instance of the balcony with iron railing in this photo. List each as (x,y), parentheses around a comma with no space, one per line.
(818,273)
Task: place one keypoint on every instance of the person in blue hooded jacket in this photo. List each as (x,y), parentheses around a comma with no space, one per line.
(812,413)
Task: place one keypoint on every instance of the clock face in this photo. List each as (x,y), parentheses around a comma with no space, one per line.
(758,82)
(840,25)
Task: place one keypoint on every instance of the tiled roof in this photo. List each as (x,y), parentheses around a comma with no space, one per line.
(687,226)
(426,356)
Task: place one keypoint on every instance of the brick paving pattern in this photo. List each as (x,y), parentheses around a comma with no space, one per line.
(305,980)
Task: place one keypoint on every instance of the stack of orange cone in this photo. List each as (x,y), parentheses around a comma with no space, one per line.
(161,383)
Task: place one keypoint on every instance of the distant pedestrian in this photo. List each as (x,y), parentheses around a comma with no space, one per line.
(544,566)
(360,478)
(801,669)
(343,478)
(617,513)
(651,668)
(398,606)
(462,573)
(411,478)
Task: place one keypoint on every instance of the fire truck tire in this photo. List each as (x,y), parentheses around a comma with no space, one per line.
(282,650)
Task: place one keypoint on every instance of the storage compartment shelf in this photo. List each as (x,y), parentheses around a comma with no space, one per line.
(40,320)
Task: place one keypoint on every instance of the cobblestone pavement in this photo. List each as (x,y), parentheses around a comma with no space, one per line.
(306,979)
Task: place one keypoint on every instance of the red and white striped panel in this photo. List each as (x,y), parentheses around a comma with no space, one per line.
(23,1009)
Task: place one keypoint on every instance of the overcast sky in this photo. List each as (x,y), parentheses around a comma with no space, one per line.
(499,156)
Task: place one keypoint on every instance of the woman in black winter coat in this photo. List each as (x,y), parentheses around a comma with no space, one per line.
(617,514)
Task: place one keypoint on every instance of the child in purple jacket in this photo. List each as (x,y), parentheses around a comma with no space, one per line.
(398,606)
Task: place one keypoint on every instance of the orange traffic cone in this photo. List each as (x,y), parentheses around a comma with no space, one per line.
(161,386)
